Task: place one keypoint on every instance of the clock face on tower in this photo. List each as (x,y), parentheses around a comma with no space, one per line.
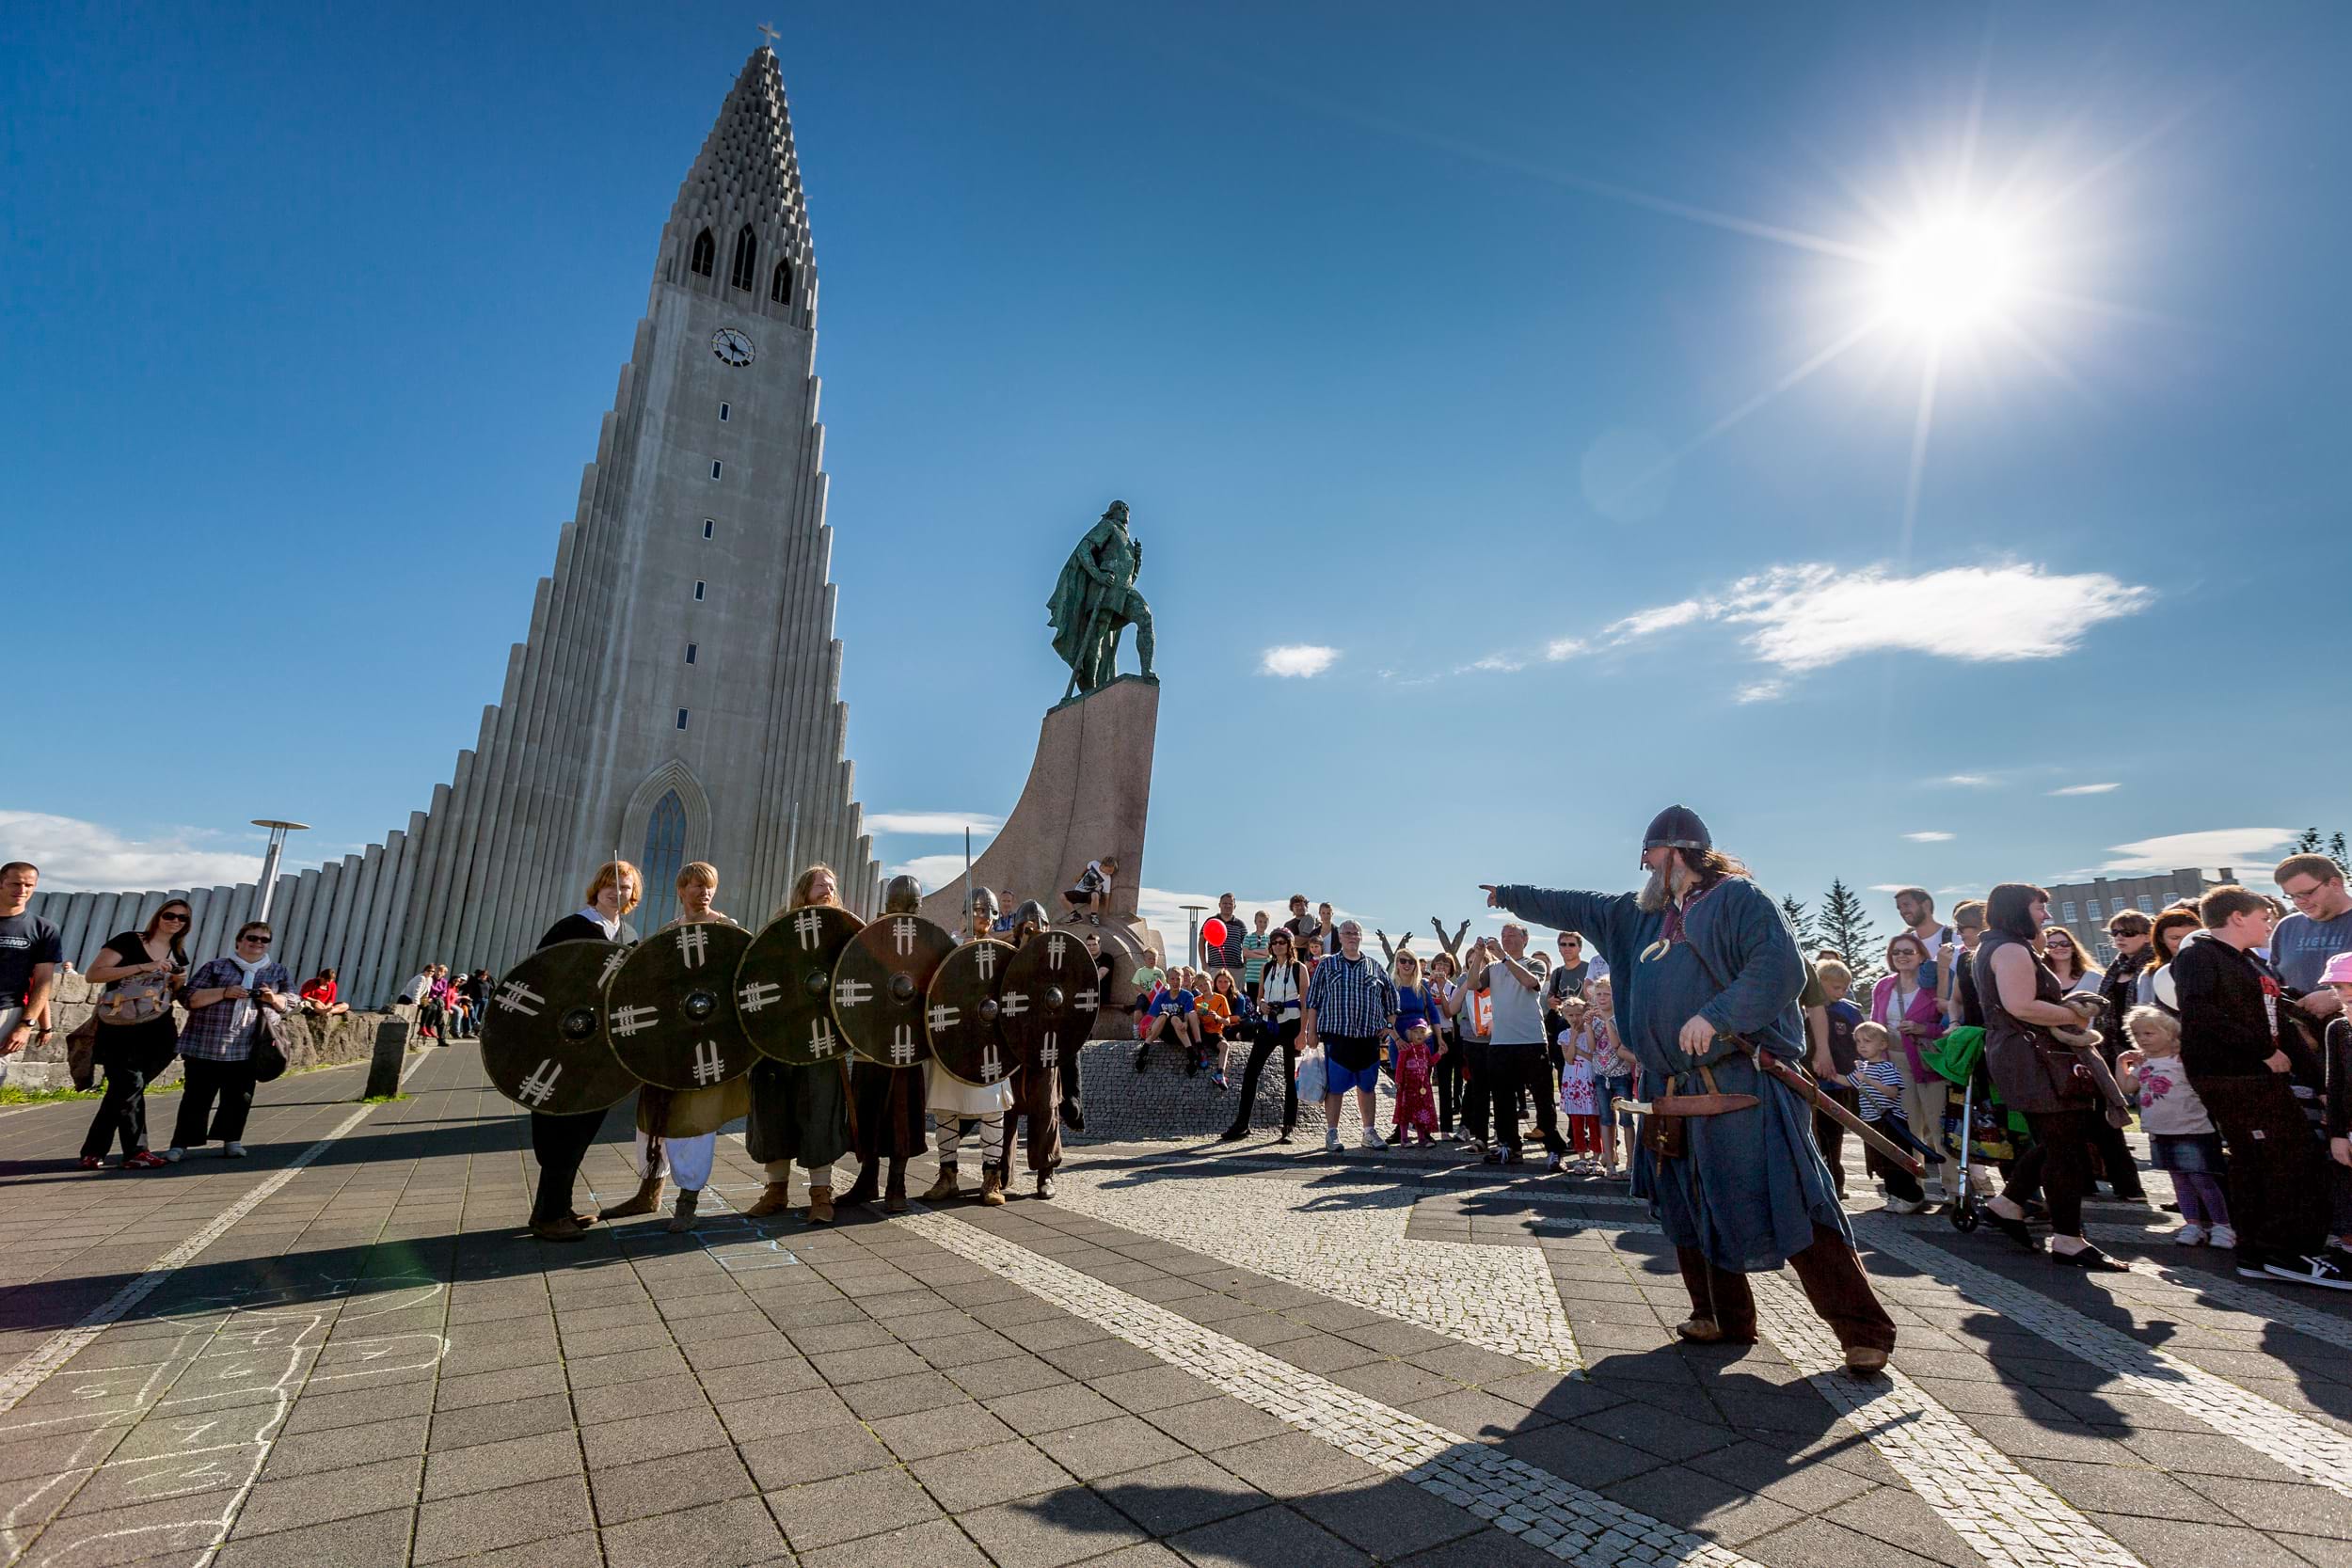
(731,346)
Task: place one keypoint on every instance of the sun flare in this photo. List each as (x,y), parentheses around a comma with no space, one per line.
(1951,275)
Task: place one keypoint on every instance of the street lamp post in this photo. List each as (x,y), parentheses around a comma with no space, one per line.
(1192,931)
(277,832)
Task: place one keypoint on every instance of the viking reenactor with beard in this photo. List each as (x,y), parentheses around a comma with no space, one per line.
(1036,1088)
(800,1114)
(1707,977)
(888,1123)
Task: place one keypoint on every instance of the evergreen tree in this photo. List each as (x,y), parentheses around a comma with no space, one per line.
(1845,926)
(2307,842)
(2335,847)
(1801,921)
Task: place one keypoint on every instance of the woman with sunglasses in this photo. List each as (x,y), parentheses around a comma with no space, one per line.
(226,996)
(141,971)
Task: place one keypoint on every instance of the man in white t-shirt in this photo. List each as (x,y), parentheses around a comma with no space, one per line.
(1515,1047)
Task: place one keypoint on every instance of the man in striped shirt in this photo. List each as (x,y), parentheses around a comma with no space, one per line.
(1349,1008)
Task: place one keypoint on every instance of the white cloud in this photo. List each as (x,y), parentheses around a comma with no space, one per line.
(933,871)
(1930,835)
(1563,647)
(1811,617)
(1763,691)
(76,856)
(2087,789)
(1297,658)
(1492,661)
(1888,887)
(1965,781)
(980,823)
(2214,847)
(1648,623)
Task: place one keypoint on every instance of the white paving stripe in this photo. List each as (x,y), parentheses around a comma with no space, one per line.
(1349,1247)
(2005,1515)
(1558,1516)
(2311,1449)
(39,1365)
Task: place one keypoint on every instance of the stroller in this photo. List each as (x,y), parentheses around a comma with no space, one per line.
(1980,1131)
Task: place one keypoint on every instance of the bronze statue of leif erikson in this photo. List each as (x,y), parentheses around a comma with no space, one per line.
(1095,599)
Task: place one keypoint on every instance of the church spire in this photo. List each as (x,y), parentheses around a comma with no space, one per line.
(740,228)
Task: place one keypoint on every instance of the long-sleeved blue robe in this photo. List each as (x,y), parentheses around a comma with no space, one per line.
(1751,1185)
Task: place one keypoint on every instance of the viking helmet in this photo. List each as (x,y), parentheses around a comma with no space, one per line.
(984,902)
(1031,912)
(902,896)
(1677,828)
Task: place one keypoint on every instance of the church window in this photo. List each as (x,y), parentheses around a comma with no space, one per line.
(722,413)
(2066,911)
(746,258)
(780,291)
(2147,905)
(689,653)
(715,467)
(681,719)
(2095,908)
(710,527)
(698,593)
(664,856)
(706,254)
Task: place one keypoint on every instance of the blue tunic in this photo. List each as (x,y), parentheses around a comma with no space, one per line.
(1751,1185)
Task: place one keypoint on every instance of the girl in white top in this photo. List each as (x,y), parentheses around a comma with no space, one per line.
(2181,1136)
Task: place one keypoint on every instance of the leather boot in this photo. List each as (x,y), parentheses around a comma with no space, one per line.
(682,1217)
(562,1228)
(945,1188)
(1046,1183)
(774,1198)
(894,1195)
(992,1188)
(867,1187)
(820,1206)
(648,1198)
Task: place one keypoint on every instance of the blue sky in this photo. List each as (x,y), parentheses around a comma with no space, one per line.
(1483,356)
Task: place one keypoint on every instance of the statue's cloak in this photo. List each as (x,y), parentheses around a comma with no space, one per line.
(1078,594)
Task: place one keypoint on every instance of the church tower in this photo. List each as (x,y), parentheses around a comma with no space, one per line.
(677,696)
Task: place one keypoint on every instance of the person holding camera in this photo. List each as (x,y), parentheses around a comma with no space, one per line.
(226,997)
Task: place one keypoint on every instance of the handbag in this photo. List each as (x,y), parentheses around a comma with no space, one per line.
(141,999)
(265,1056)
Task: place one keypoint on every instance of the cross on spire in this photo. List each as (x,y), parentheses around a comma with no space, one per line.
(770,35)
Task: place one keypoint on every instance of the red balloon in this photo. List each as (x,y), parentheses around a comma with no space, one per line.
(1212,932)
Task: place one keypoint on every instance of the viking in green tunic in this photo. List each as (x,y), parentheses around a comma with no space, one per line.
(1095,598)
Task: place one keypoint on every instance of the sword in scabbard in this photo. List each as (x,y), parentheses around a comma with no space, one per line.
(1813,1095)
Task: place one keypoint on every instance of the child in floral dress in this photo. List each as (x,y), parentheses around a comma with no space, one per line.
(1579,1063)
(1416,1101)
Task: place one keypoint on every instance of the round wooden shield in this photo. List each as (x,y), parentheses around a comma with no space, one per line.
(669,1013)
(961,1016)
(542,1036)
(784,986)
(879,986)
(1047,1002)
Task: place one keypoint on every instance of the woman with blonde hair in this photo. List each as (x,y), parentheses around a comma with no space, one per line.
(660,1111)
(560,1143)
(800,1114)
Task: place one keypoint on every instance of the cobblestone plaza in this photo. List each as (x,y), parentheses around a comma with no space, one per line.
(345,1352)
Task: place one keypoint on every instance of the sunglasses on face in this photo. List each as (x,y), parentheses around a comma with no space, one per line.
(258,942)
(175,919)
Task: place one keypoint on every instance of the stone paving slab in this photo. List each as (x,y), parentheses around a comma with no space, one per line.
(1259,1356)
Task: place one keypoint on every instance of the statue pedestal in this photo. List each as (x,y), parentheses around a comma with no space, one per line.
(1088,793)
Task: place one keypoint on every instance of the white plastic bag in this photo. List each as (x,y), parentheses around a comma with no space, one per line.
(1310,1074)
